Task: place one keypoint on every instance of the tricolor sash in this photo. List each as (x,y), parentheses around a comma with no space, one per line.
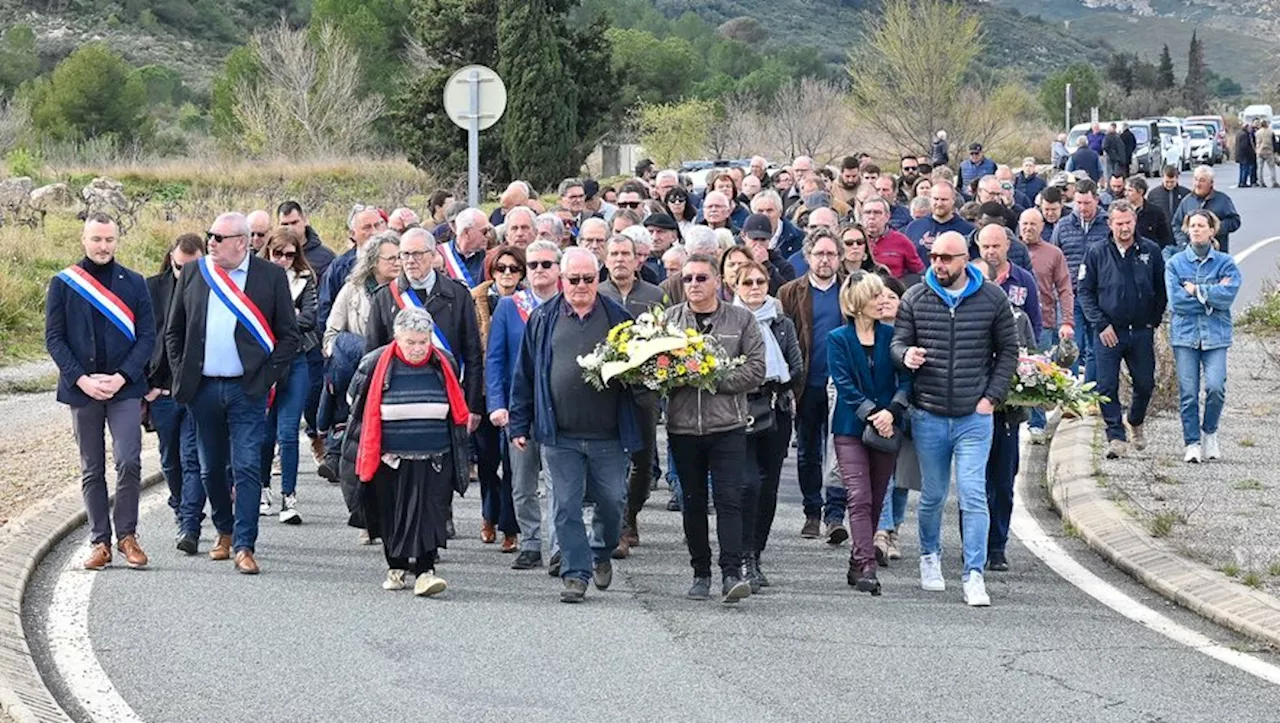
(406,299)
(525,303)
(454,267)
(100,298)
(240,305)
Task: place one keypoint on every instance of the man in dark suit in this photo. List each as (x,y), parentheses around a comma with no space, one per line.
(100,331)
(232,335)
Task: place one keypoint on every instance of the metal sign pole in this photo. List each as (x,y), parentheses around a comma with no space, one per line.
(473,141)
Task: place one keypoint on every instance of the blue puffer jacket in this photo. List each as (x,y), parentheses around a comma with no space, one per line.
(1202,320)
(1070,236)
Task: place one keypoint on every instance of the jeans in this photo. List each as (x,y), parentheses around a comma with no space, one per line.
(1085,338)
(1048,339)
(179,460)
(1247,169)
(895,508)
(526,468)
(770,449)
(1136,348)
(866,474)
(966,441)
(673,475)
(721,455)
(581,468)
(1189,362)
(496,502)
(230,426)
(812,418)
(282,425)
(89,424)
(1002,469)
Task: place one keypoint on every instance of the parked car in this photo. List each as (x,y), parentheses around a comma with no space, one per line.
(1146,156)
(1203,144)
(1176,145)
(1219,129)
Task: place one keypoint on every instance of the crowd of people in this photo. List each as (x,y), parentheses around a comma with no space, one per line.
(879,317)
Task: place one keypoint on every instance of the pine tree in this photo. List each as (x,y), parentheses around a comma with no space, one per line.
(1164,78)
(1195,88)
(540,126)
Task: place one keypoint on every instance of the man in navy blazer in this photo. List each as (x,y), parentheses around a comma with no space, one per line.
(100,331)
(232,335)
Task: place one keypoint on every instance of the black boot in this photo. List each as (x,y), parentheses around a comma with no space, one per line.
(764,581)
(751,572)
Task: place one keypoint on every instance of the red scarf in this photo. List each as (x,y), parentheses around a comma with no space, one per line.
(369,454)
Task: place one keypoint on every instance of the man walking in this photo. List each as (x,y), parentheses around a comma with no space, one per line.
(506,333)
(1264,147)
(1123,294)
(975,166)
(232,334)
(1153,225)
(812,302)
(956,332)
(1203,195)
(585,434)
(708,430)
(100,331)
(1168,196)
(1075,235)
(1056,297)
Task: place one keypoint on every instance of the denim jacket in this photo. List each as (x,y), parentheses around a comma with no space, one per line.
(1202,320)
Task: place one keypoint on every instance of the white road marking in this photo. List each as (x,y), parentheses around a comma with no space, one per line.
(1242,255)
(67,630)
(1032,535)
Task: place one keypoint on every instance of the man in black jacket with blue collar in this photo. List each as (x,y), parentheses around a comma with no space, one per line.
(100,331)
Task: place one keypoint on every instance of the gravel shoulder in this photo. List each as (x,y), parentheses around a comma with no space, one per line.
(1224,513)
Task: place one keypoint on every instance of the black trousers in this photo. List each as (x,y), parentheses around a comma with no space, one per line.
(766,452)
(720,454)
(641,473)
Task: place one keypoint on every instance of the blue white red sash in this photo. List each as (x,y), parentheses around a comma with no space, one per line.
(454,267)
(406,299)
(100,298)
(240,305)
(525,303)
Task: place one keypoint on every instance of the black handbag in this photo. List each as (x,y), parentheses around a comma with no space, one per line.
(872,438)
(760,412)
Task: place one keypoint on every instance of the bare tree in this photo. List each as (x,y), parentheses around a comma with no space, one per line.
(736,128)
(809,118)
(308,100)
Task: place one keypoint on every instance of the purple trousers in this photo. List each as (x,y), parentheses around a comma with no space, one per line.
(865,473)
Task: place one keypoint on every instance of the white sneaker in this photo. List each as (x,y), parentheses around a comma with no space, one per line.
(289,510)
(1192,455)
(428,584)
(1037,435)
(931,573)
(1210,442)
(264,505)
(394,581)
(975,591)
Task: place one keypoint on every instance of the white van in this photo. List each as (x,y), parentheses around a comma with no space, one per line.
(1254,112)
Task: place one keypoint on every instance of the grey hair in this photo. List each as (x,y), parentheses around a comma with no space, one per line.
(920,203)
(367,258)
(543,245)
(701,240)
(525,210)
(467,218)
(414,319)
(452,210)
(623,238)
(1202,172)
(767,195)
(575,251)
(677,251)
(876,200)
(593,221)
(665,175)
(356,210)
(239,223)
(639,236)
(568,183)
(557,226)
(419,231)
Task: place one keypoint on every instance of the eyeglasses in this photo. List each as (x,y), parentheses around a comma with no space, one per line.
(278,254)
(628,204)
(575,197)
(575,280)
(824,254)
(413,255)
(540,265)
(947,258)
(855,242)
(754,282)
(388,259)
(695,278)
(593,242)
(507,269)
(212,237)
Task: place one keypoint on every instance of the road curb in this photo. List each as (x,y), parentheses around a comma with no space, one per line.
(24,697)
(1124,543)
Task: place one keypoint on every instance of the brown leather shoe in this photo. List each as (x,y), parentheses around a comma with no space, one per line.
(245,564)
(221,549)
(631,533)
(488,534)
(623,550)
(317,448)
(510,543)
(133,554)
(99,557)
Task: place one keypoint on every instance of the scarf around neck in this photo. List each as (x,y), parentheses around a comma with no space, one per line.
(775,362)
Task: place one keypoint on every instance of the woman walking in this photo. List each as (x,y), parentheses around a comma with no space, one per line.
(769,434)
(906,473)
(283,248)
(1202,284)
(871,401)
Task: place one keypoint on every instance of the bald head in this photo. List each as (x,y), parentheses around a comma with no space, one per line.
(824,217)
(950,242)
(1030,226)
(259,225)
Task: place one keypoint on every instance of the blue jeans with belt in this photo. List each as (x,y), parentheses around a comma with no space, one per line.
(230,426)
(1136,348)
(282,425)
(965,441)
(595,468)
(179,460)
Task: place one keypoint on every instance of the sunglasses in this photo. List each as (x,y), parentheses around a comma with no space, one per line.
(695,278)
(540,265)
(947,258)
(507,269)
(575,280)
(754,282)
(675,200)
(906,169)
(258,234)
(212,237)
(278,254)
(628,204)
(855,242)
